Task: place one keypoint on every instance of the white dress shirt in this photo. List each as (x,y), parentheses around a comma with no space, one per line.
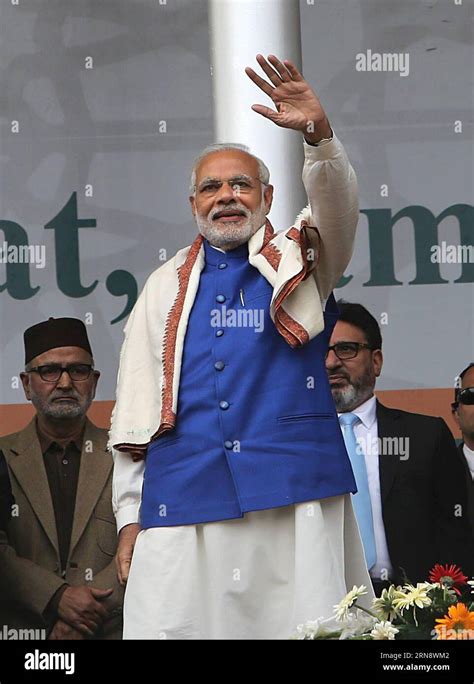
(366,434)
(469,454)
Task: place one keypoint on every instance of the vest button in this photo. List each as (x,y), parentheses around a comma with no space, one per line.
(222,265)
(220,299)
(219,365)
(228,444)
(224,405)
(219,333)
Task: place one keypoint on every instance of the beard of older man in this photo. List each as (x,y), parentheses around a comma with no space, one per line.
(74,406)
(229,235)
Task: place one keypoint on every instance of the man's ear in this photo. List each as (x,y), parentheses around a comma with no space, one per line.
(192,201)
(25,381)
(96,379)
(377,360)
(268,195)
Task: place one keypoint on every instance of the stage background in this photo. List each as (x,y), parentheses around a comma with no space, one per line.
(105,104)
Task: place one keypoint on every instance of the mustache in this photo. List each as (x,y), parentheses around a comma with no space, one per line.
(346,376)
(235,206)
(63,395)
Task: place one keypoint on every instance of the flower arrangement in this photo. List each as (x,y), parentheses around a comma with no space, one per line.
(439,609)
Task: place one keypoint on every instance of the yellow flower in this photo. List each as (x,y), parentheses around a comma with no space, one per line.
(412,596)
(457,624)
(384,605)
(342,608)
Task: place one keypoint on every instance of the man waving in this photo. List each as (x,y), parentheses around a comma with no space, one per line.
(232,483)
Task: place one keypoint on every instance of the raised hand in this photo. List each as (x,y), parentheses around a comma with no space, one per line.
(297,105)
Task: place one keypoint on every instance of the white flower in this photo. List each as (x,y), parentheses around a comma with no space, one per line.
(316,629)
(471,584)
(383,630)
(356,624)
(342,609)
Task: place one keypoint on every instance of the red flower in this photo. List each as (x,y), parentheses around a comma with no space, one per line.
(448,576)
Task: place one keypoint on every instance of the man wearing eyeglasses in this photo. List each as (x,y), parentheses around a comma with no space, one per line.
(56,558)
(411,503)
(237,521)
(463,412)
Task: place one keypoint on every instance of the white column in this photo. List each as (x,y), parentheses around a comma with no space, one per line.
(239,30)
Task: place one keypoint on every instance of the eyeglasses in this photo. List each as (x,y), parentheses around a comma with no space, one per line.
(465,396)
(347,350)
(239,184)
(53,371)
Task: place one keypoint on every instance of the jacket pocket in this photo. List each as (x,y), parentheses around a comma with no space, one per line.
(304,417)
(106,536)
(103,510)
(253,296)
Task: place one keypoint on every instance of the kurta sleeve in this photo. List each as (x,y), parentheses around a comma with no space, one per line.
(126,488)
(331,186)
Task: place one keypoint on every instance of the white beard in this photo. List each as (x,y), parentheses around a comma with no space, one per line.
(230,235)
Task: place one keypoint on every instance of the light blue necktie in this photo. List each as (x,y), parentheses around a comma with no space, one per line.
(361,500)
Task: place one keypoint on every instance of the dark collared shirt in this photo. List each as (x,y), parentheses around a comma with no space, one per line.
(62,469)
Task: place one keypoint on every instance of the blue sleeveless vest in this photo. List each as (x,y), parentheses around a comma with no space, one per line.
(256,423)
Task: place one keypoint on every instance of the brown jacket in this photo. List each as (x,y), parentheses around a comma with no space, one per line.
(29,557)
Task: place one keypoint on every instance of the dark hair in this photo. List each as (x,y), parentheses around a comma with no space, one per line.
(357,315)
(457,389)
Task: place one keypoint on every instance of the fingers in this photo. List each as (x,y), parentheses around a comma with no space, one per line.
(273,75)
(124,569)
(85,629)
(265,111)
(101,593)
(295,74)
(259,81)
(284,72)
(97,612)
(118,567)
(281,68)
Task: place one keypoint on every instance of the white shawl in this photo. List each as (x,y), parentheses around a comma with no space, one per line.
(150,359)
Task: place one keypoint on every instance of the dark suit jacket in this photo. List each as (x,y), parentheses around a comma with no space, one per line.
(424,498)
(6,498)
(470,488)
(30,572)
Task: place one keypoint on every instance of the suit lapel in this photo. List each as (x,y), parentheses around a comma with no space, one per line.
(94,471)
(27,464)
(387,426)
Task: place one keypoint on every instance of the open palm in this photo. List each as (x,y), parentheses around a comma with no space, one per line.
(297,105)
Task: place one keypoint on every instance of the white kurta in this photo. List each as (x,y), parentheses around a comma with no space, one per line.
(261,575)
(256,577)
